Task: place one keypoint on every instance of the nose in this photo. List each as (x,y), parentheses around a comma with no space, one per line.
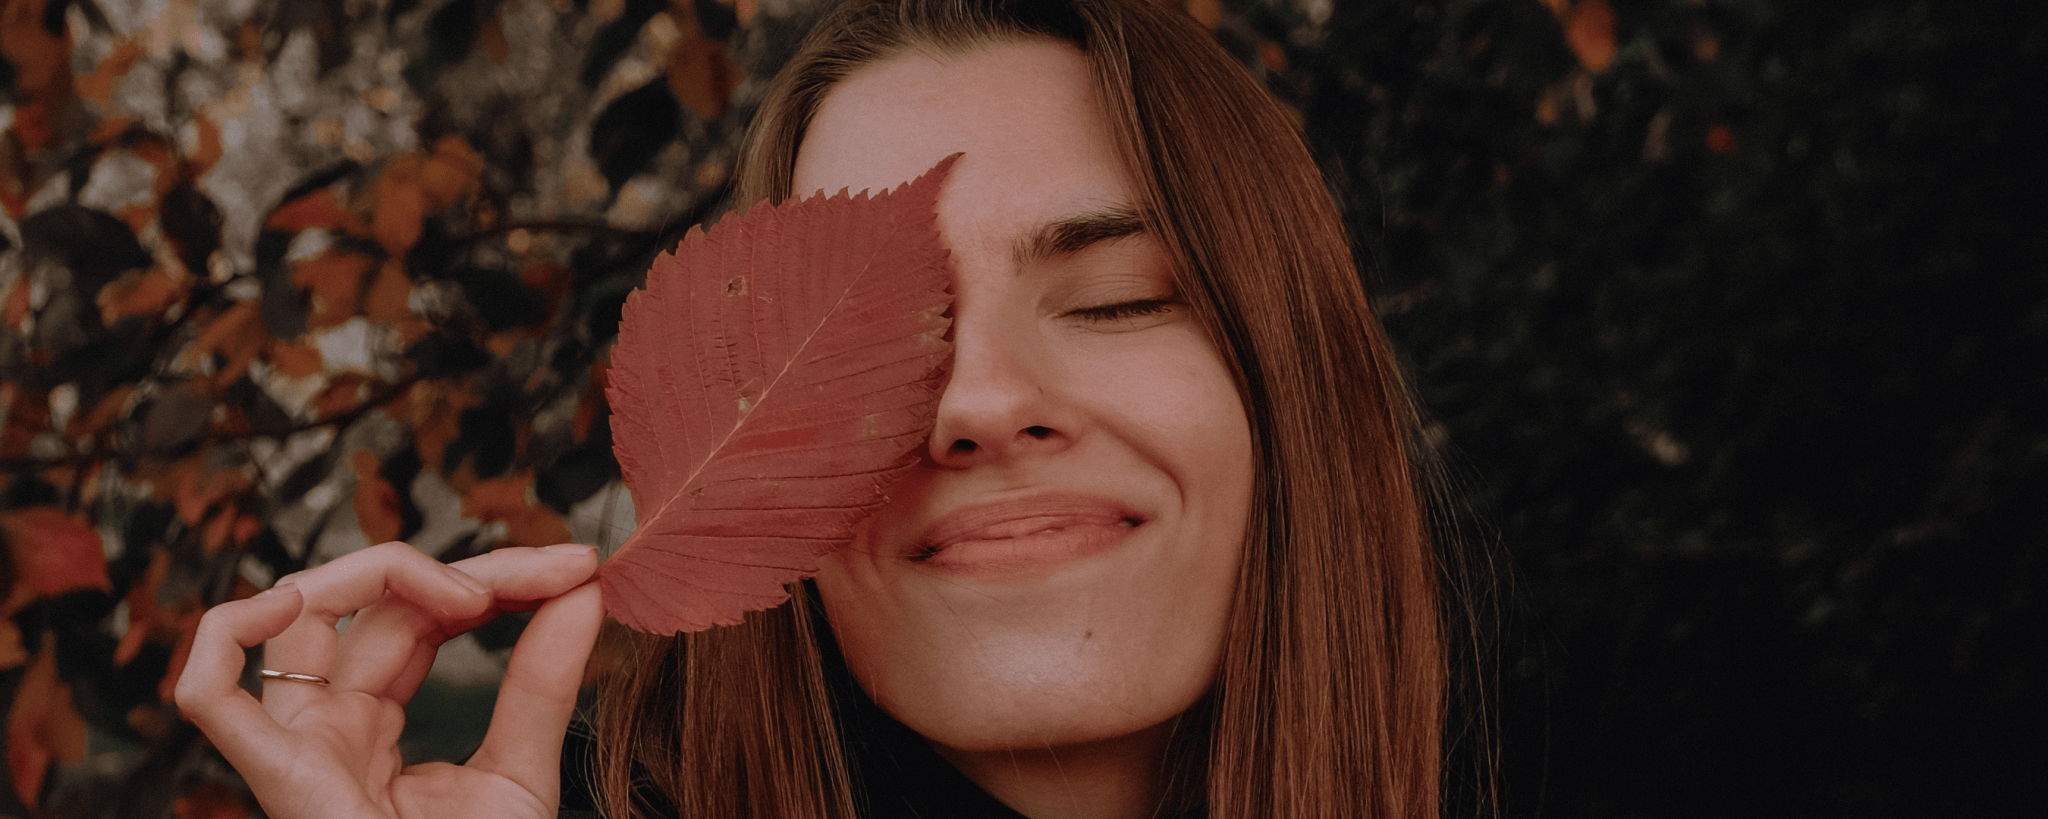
(999,403)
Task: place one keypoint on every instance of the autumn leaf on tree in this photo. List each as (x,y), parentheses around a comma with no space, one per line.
(1589,29)
(770,382)
(509,500)
(43,727)
(53,552)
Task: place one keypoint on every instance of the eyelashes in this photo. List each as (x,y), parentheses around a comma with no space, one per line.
(1122,310)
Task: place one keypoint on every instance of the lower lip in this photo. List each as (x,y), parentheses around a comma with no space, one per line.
(1058,543)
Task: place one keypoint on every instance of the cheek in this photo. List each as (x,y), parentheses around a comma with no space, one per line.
(858,610)
(1174,401)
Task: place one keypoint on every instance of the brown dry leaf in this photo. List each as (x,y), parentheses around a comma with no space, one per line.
(195,489)
(335,280)
(237,335)
(295,359)
(229,525)
(1273,56)
(28,416)
(144,615)
(17,305)
(98,84)
(1720,138)
(12,652)
(108,130)
(400,209)
(411,330)
(491,40)
(317,209)
(500,343)
(346,392)
(42,71)
(15,180)
(69,475)
(746,10)
(452,170)
(389,298)
(138,293)
(551,281)
(43,728)
(35,122)
(214,535)
(1209,13)
(510,499)
(593,396)
(163,156)
(103,413)
(376,500)
(42,61)
(1590,31)
(1561,8)
(700,73)
(208,150)
(246,527)
(433,409)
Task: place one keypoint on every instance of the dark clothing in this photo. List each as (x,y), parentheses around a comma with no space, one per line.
(897,775)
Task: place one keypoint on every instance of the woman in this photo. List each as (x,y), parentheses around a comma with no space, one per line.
(1164,556)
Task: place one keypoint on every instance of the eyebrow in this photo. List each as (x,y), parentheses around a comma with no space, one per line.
(1075,233)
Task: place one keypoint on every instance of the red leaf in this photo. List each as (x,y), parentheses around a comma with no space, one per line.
(769,384)
(1590,32)
(43,728)
(317,209)
(210,800)
(54,552)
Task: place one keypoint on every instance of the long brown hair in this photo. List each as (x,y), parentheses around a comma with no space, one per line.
(1329,701)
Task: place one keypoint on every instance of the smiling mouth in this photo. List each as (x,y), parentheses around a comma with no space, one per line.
(1023,536)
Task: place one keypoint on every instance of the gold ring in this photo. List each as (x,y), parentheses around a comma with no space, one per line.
(287,675)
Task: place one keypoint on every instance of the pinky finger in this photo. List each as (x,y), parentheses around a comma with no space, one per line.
(209,692)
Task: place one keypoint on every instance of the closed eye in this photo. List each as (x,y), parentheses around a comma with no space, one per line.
(1122,310)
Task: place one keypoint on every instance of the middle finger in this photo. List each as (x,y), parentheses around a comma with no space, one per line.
(345,586)
(389,647)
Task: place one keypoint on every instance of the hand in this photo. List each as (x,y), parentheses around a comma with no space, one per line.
(309,750)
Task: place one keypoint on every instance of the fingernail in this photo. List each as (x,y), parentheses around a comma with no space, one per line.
(570,549)
(280,586)
(468,582)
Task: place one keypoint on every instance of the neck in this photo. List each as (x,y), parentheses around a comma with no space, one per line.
(1117,778)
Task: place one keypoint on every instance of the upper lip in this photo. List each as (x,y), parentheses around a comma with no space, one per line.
(985,521)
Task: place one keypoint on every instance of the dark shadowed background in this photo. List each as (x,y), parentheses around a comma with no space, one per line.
(1731,317)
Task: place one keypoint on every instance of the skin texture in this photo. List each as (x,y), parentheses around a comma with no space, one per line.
(1048,668)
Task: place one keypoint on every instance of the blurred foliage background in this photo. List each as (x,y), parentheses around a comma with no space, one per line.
(1731,316)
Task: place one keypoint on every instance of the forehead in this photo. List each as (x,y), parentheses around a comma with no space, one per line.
(1025,114)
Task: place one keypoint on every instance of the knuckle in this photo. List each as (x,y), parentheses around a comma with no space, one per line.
(186,695)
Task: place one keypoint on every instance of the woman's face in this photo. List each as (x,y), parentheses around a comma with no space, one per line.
(1059,569)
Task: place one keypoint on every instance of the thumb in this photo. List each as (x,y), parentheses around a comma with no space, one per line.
(538,697)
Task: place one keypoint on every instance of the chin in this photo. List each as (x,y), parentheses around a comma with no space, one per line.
(971,725)
(1028,692)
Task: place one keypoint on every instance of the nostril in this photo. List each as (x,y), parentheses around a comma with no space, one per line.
(965,445)
(1037,432)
